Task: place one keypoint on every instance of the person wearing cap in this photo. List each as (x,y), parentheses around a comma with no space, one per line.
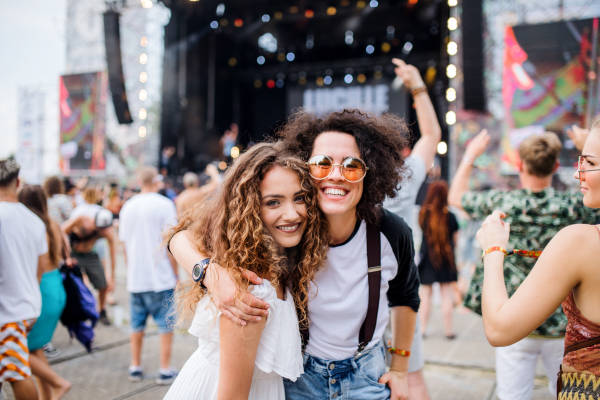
(151,272)
(87,224)
(23,257)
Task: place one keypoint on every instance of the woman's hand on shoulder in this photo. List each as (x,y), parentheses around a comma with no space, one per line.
(237,308)
(494,231)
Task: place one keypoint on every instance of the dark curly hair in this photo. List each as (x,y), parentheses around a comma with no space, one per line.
(380,140)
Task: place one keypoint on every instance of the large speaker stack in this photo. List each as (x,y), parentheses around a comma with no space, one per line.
(472,22)
(112,40)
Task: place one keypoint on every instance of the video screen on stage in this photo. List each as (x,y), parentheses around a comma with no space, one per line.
(546,84)
(82,119)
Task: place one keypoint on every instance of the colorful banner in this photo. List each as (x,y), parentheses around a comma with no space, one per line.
(82,119)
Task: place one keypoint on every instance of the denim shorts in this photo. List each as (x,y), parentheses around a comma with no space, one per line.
(355,379)
(157,304)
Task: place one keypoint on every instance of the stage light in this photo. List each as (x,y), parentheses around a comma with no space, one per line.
(361,78)
(377,74)
(221,9)
(345,3)
(278,15)
(442,148)
(257,83)
(222,165)
(142,131)
(348,79)
(293,9)
(370,49)
(144,41)
(407,47)
(143,77)
(309,13)
(390,32)
(302,80)
(451,94)
(349,37)
(331,10)
(268,42)
(452,48)
(450,117)
(235,152)
(146,3)
(374,3)
(290,56)
(260,60)
(143,95)
(281,57)
(310,41)
(238,23)
(270,83)
(413,2)
(451,71)
(452,23)
(224,22)
(143,58)
(143,113)
(279,83)
(385,47)
(361,4)
(327,80)
(452,3)
(320,81)
(233,61)
(214,24)
(266,18)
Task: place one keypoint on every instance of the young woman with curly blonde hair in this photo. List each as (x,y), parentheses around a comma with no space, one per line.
(264,219)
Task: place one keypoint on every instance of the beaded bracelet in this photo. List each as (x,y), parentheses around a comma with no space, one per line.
(416,91)
(403,353)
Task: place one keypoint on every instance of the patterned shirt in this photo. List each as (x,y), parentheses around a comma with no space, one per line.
(534,217)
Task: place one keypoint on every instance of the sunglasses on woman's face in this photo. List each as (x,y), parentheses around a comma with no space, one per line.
(352,169)
(581,170)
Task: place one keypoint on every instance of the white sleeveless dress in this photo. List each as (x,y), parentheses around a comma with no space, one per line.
(279,351)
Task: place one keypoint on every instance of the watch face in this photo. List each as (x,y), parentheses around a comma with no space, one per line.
(196,272)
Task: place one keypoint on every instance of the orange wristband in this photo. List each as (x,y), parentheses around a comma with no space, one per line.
(495,248)
(403,353)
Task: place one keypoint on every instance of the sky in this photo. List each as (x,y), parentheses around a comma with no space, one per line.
(32,48)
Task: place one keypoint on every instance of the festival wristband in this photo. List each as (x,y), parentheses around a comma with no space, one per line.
(416,91)
(468,160)
(403,353)
(522,253)
(495,248)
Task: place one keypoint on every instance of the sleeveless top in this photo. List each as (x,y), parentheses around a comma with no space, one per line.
(279,350)
(580,329)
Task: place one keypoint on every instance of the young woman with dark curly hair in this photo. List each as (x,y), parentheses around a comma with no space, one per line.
(355,161)
(264,218)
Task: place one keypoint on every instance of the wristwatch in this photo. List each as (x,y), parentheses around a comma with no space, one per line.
(199,272)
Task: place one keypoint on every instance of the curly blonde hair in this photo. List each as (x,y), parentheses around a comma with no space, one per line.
(227,227)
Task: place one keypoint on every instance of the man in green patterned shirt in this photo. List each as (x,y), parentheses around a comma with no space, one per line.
(535,213)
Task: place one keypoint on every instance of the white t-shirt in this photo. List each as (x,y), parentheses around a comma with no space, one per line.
(86,209)
(141,223)
(403,204)
(22,241)
(339,309)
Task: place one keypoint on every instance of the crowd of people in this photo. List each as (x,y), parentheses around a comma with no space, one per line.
(306,247)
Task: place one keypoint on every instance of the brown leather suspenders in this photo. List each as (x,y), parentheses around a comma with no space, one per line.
(374,275)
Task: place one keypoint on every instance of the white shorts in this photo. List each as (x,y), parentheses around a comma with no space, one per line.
(515,366)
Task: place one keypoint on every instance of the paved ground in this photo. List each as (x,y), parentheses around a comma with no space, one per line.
(461,369)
